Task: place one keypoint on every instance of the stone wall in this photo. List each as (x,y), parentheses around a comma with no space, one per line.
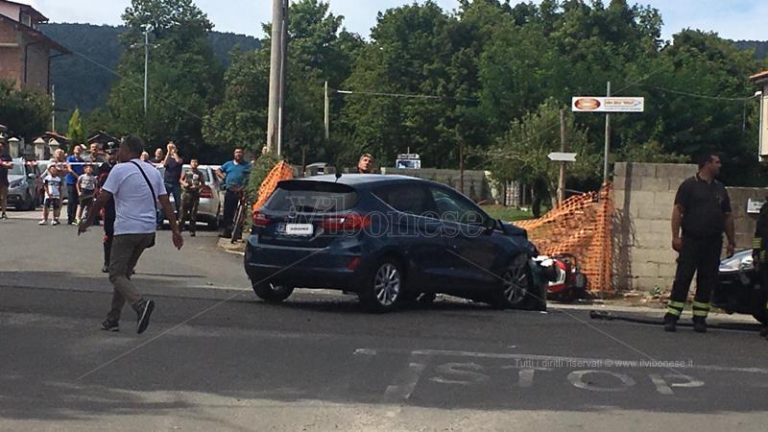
(643,197)
(476,183)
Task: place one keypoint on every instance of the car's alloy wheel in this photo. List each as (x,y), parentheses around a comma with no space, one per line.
(386,284)
(515,283)
(272,293)
(385,288)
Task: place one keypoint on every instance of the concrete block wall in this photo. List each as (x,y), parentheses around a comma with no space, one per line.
(476,183)
(643,198)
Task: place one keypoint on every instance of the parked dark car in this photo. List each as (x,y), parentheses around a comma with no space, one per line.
(739,290)
(389,239)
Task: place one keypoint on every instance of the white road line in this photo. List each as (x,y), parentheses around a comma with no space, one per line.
(615,363)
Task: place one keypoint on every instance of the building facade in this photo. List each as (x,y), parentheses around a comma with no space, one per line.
(25,52)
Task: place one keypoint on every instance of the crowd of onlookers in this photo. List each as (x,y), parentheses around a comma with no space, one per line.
(73,181)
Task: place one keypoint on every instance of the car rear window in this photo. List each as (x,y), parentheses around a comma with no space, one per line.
(407,198)
(312,197)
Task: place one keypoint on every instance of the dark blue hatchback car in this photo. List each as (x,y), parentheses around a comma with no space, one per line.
(389,239)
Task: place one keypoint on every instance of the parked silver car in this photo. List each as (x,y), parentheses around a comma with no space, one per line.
(209,210)
(24,180)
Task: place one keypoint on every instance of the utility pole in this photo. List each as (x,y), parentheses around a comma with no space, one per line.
(146,68)
(607,137)
(563,149)
(53,108)
(276,62)
(283,76)
(327,113)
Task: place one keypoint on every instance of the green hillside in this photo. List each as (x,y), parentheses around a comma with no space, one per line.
(83,79)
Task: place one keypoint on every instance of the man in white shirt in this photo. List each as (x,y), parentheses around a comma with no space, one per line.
(136,186)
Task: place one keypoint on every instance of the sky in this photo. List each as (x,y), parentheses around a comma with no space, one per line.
(732,19)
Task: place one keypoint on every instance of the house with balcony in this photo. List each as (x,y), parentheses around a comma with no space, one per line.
(25,52)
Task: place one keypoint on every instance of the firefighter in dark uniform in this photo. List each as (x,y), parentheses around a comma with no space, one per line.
(109,209)
(702,212)
(760,255)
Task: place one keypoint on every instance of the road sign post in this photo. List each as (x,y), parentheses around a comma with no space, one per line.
(607,105)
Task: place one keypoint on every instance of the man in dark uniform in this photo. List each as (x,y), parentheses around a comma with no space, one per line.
(703,211)
(760,255)
(109,209)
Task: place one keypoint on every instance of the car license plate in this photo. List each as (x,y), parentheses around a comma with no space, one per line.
(296,229)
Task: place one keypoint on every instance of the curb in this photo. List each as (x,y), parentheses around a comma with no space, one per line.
(237,248)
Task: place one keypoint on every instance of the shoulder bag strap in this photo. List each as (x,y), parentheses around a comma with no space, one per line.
(148,182)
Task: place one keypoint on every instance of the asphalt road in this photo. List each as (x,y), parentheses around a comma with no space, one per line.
(215,358)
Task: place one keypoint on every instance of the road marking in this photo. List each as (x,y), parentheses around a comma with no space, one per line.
(405,383)
(469,371)
(568,360)
(665,388)
(577,379)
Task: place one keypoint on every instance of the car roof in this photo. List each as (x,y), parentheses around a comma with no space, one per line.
(362,179)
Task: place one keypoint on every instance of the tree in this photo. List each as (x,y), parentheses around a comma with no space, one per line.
(75,130)
(184,77)
(521,153)
(411,54)
(241,119)
(25,112)
(319,50)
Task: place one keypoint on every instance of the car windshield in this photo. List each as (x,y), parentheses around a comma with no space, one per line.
(16,170)
(312,197)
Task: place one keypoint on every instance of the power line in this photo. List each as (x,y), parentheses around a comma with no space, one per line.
(404,95)
(702,96)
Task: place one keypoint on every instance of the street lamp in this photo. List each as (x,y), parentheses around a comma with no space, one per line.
(147,28)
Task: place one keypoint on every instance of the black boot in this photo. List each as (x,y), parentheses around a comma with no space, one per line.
(764,331)
(670,323)
(700,324)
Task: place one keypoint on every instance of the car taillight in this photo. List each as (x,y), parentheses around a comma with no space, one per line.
(205,192)
(260,219)
(350,222)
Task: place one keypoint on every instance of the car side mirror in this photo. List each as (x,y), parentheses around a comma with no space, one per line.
(501,226)
(490,226)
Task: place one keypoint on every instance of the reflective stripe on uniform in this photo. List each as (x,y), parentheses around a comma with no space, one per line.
(703,306)
(675,308)
(700,309)
(757,243)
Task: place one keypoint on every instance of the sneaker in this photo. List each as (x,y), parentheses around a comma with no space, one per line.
(77,221)
(700,324)
(105,268)
(670,323)
(55,222)
(764,331)
(144,312)
(4,216)
(192,234)
(42,222)
(110,325)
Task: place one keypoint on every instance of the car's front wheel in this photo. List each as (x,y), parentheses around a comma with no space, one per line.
(272,293)
(516,285)
(384,286)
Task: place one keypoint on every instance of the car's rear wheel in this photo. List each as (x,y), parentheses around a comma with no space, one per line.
(384,286)
(272,293)
(516,285)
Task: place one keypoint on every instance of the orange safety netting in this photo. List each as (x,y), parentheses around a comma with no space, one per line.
(281,171)
(580,226)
